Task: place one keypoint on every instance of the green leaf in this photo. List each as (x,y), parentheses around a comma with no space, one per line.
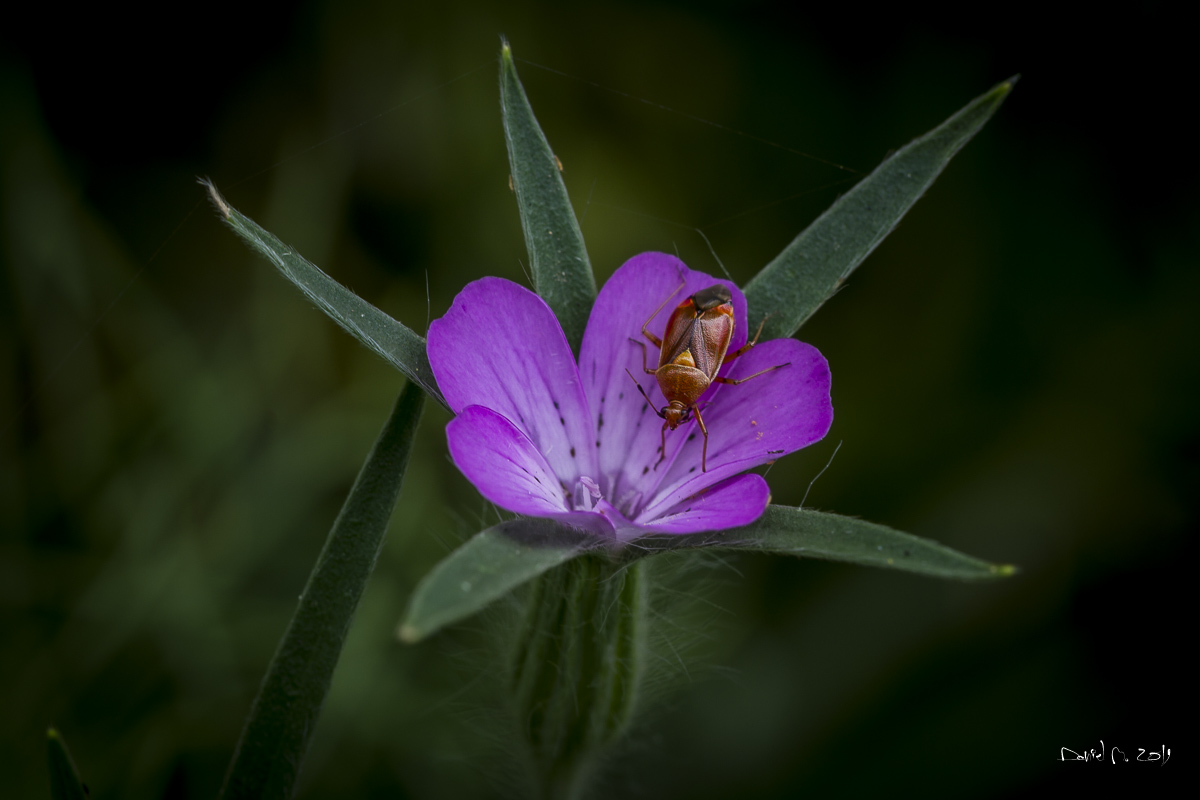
(488,566)
(277,731)
(562,273)
(395,342)
(815,534)
(810,269)
(64,779)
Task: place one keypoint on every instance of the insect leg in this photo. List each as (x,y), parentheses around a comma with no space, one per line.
(663,447)
(704,430)
(642,345)
(748,377)
(731,356)
(648,334)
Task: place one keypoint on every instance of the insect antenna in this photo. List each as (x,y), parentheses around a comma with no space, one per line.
(643,391)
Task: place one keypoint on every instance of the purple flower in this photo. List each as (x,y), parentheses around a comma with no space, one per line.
(543,437)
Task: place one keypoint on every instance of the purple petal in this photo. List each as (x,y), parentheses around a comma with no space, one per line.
(737,501)
(751,423)
(623,529)
(508,469)
(500,346)
(628,431)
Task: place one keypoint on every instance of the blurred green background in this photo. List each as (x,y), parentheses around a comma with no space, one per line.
(1014,375)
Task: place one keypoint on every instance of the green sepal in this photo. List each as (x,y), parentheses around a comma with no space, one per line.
(809,270)
(488,566)
(562,273)
(388,338)
(64,778)
(281,721)
(784,530)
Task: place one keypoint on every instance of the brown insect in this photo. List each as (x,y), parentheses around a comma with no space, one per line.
(696,340)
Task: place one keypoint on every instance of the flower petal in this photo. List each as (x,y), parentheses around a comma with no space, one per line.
(735,501)
(623,529)
(751,423)
(508,469)
(500,346)
(628,431)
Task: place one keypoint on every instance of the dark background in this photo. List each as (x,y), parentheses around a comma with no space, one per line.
(1014,375)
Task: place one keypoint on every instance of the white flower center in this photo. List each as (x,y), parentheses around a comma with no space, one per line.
(586,491)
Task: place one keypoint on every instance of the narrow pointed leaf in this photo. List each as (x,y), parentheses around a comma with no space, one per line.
(390,339)
(814,534)
(487,567)
(810,269)
(64,779)
(562,273)
(281,721)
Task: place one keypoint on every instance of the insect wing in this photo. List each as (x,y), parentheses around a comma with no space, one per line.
(677,338)
(711,334)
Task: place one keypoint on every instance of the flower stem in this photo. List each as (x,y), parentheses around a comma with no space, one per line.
(576,668)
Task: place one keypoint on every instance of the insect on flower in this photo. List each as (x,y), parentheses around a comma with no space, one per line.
(690,356)
(543,433)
